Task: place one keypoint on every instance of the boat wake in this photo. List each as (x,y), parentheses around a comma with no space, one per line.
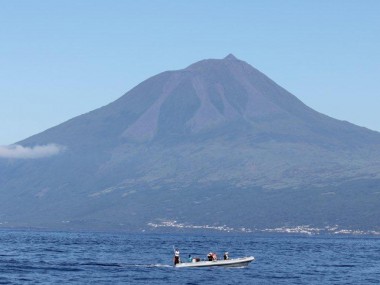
(124,265)
(148,265)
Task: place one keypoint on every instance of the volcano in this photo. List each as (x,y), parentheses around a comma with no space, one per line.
(217,144)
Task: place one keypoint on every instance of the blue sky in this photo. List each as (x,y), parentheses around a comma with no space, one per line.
(60,59)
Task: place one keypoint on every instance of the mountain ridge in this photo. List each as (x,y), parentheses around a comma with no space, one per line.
(168,81)
(215,133)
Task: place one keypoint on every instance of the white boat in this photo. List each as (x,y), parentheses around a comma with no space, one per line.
(233,262)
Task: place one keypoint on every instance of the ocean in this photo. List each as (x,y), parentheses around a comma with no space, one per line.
(39,257)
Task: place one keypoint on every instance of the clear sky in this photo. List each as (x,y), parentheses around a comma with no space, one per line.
(63,58)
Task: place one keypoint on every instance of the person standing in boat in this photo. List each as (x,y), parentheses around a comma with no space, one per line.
(176,257)
(225,256)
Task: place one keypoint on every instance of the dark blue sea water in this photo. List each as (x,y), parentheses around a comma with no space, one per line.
(29,257)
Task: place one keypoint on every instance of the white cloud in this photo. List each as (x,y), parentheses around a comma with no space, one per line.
(19,151)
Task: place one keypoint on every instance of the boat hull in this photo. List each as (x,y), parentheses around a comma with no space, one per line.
(235,262)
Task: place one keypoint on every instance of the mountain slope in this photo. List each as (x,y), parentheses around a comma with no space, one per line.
(214,135)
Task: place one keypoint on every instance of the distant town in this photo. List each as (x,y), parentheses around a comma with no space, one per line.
(303,229)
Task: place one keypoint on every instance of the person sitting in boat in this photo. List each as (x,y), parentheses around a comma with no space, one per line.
(225,256)
(176,257)
(212,256)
